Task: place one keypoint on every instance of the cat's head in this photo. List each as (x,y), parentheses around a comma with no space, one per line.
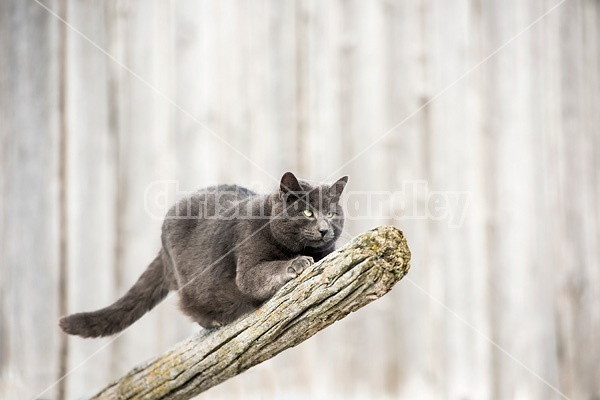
(304,215)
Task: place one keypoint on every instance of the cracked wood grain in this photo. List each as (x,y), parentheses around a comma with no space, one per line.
(362,271)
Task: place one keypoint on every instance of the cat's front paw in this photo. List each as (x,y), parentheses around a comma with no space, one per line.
(299,264)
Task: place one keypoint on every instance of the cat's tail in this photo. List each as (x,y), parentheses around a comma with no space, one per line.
(150,289)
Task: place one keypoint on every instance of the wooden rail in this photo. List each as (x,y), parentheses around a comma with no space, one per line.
(346,280)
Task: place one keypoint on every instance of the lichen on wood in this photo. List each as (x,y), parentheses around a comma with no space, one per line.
(362,271)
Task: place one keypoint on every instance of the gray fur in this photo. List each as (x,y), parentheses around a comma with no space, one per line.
(227,250)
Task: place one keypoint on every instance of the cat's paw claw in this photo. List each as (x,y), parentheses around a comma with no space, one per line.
(298,265)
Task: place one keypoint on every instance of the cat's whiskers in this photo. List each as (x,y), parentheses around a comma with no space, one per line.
(305,243)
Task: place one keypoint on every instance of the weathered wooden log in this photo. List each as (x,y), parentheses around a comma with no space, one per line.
(362,271)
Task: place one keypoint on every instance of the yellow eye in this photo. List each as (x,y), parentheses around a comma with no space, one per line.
(329,214)
(308,213)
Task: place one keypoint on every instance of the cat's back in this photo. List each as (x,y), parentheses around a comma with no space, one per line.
(200,222)
(226,195)
(210,202)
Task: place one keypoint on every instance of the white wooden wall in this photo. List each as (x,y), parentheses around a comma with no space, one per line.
(504,306)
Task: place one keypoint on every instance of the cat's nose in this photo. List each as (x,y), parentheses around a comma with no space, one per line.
(323,232)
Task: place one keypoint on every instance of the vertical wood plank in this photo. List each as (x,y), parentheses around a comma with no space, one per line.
(519,294)
(91,189)
(577,293)
(369,120)
(449,150)
(196,91)
(552,233)
(143,43)
(28,200)
(410,81)
(326,44)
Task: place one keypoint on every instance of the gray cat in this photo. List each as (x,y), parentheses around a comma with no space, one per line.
(227,250)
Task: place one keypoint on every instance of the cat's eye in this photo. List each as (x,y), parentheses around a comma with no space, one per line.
(329,214)
(308,213)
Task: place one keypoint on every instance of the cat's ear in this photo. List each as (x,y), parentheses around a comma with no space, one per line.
(337,188)
(289,183)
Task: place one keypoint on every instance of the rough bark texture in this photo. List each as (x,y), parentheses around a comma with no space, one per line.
(348,279)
